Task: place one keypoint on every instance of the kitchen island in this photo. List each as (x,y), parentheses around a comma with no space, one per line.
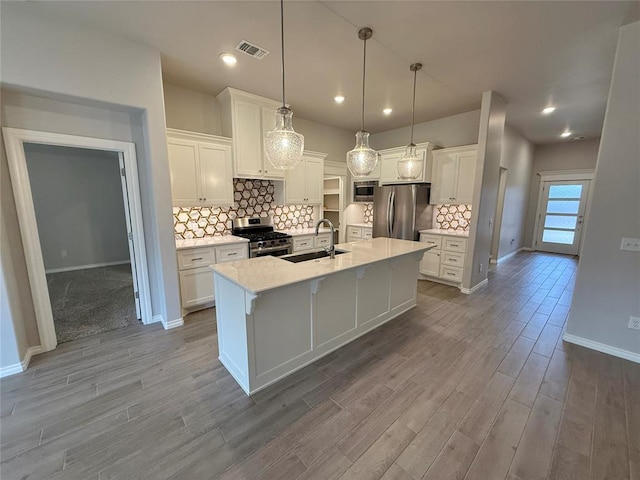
(274,317)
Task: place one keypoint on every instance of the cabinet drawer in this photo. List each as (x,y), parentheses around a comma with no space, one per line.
(431,240)
(302,243)
(453,259)
(453,274)
(455,244)
(354,232)
(197,257)
(322,240)
(367,233)
(231,253)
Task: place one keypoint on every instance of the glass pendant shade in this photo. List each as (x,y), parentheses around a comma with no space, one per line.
(410,165)
(362,160)
(282,145)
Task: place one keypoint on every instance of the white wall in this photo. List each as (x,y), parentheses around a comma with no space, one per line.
(570,155)
(461,129)
(485,191)
(517,157)
(607,289)
(79,66)
(77,196)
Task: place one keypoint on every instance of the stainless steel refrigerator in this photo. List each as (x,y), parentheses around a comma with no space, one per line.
(401,211)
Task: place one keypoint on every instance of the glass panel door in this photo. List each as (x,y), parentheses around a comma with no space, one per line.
(561,217)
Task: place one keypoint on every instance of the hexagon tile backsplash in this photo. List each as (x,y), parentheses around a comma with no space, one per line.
(452,217)
(252,198)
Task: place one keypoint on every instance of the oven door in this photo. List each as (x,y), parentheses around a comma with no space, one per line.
(277,251)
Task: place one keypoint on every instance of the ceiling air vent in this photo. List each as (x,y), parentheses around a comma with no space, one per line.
(252,50)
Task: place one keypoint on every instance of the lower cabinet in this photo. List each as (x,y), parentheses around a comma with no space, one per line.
(445,261)
(302,243)
(196,278)
(355,233)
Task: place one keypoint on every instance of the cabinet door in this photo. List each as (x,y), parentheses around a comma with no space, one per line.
(315,176)
(430,264)
(465,177)
(216,174)
(196,287)
(295,184)
(444,178)
(389,167)
(247,138)
(183,167)
(268,124)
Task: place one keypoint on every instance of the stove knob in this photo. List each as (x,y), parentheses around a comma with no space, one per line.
(260,244)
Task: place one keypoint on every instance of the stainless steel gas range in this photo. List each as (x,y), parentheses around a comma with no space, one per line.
(263,239)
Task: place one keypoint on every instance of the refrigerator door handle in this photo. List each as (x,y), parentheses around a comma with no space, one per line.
(392,212)
(389,214)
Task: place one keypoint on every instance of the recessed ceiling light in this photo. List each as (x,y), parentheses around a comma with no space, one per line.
(338,99)
(228,58)
(387,111)
(548,110)
(565,134)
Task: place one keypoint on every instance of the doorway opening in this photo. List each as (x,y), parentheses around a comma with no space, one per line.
(80,204)
(130,280)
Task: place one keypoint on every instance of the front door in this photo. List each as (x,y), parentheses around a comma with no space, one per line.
(561,216)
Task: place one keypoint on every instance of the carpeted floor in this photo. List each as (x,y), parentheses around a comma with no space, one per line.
(91,301)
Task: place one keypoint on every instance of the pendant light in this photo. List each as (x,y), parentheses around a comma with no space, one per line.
(282,145)
(362,159)
(410,165)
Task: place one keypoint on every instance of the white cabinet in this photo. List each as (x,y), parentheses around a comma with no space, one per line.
(445,261)
(201,169)
(246,118)
(453,176)
(389,159)
(304,184)
(322,240)
(196,278)
(302,243)
(355,233)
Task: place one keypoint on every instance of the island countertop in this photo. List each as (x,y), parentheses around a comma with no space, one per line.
(260,274)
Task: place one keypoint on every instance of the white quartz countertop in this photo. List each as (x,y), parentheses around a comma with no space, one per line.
(209,241)
(361,225)
(294,232)
(451,233)
(260,274)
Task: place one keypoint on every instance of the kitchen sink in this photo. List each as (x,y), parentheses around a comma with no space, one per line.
(305,257)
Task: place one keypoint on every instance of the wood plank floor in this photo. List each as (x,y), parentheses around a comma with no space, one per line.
(474,386)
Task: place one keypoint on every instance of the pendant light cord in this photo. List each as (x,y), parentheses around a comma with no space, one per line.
(284,104)
(413,108)
(364,75)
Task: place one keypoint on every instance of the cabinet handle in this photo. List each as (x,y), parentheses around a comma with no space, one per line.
(194,259)
(204,199)
(232,254)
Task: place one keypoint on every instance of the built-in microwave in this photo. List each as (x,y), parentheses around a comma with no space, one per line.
(363,190)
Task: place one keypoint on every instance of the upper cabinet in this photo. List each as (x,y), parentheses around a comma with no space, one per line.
(304,184)
(390,157)
(453,176)
(246,118)
(201,169)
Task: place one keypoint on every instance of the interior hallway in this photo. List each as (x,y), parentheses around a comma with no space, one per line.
(474,386)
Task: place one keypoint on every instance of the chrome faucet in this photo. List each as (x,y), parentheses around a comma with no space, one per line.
(332,248)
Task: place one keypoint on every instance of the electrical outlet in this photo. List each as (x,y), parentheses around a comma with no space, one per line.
(630,244)
(481,268)
(63,254)
(634,323)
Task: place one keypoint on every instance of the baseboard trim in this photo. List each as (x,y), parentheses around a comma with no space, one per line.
(602,347)
(178,322)
(467,291)
(23,365)
(85,267)
(508,256)
(527,249)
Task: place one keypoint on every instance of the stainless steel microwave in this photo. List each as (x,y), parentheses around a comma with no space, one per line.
(363,190)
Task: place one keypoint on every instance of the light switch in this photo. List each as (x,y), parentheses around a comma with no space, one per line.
(630,244)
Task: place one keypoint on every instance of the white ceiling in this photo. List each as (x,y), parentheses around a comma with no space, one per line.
(532,53)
